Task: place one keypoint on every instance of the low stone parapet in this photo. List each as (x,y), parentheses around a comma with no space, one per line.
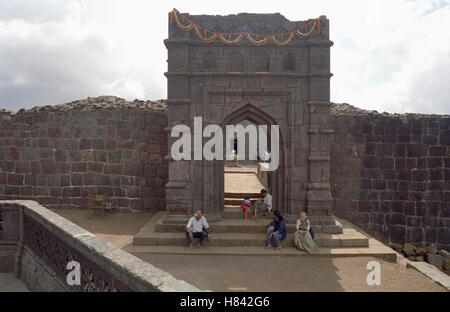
(38,244)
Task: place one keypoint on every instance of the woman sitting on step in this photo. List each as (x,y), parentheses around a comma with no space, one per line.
(277,230)
(302,236)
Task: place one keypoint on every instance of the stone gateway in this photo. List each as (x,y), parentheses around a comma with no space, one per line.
(257,67)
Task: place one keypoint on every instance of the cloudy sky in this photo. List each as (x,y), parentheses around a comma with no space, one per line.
(391,55)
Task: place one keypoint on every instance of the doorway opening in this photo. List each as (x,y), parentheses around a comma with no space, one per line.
(244,177)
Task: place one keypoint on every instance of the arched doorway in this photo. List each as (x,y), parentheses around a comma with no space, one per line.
(249,114)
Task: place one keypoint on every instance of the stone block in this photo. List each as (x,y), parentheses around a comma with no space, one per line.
(48,166)
(76,179)
(85,144)
(397,233)
(113,169)
(420,251)
(115,157)
(133,169)
(409,250)
(108,190)
(95,167)
(417,150)
(71,191)
(445,263)
(15,179)
(23,167)
(11,223)
(12,190)
(98,144)
(434,259)
(78,167)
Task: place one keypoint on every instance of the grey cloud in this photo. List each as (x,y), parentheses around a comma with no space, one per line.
(429,91)
(34,10)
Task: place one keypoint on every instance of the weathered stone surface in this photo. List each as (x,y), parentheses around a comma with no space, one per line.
(409,250)
(76,150)
(394,165)
(434,259)
(420,258)
(289,87)
(40,269)
(420,251)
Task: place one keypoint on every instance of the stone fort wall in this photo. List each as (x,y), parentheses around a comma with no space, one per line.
(390,174)
(57,155)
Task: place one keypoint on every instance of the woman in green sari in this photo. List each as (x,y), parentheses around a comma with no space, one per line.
(302,238)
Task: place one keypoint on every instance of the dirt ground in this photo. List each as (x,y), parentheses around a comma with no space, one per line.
(256,273)
(116,228)
(315,274)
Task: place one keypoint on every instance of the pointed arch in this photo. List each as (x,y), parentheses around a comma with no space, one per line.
(251,113)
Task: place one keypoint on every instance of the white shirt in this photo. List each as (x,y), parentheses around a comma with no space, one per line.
(197,225)
(268,201)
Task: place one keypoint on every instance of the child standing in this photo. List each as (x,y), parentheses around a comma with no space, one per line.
(246,203)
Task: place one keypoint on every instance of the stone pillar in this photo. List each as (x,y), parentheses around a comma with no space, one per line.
(319,201)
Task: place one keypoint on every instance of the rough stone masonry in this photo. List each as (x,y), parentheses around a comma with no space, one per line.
(57,155)
(390,174)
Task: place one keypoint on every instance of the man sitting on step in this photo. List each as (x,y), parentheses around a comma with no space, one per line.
(262,206)
(197,227)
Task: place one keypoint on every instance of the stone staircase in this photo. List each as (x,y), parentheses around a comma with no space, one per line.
(235,236)
(233,230)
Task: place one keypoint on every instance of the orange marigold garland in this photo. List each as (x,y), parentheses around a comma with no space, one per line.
(203,37)
(230,41)
(309,32)
(254,39)
(282,43)
(180,25)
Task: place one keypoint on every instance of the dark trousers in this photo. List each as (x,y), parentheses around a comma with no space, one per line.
(201,235)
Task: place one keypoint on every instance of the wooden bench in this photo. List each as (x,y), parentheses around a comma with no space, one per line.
(100,203)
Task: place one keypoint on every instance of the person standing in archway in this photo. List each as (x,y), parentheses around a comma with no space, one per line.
(235,152)
(262,206)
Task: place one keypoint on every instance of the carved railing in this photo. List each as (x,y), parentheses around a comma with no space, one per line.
(47,243)
(57,255)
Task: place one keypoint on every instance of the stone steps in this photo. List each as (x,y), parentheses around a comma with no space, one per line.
(240,237)
(248,239)
(239,225)
(382,252)
(241,196)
